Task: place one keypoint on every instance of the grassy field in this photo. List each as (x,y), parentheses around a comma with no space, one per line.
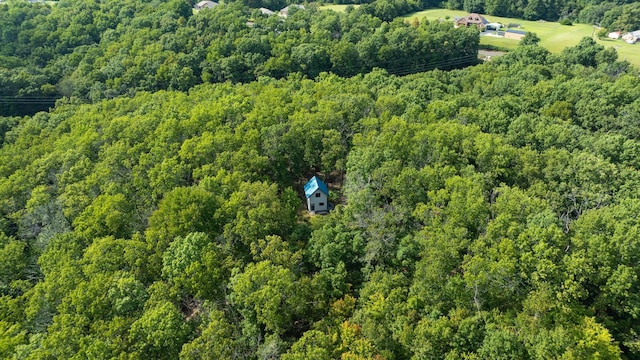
(337,8)
(553,36)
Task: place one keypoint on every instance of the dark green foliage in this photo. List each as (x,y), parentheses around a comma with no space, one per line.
(622,18)
(96,51)
(488,212)
(565,21)
(530,39)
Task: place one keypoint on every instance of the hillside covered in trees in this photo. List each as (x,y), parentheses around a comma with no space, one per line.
(157,212)
(482,213)
(99,50)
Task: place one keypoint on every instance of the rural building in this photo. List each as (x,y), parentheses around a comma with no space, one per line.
(614,35)
(514,34)
(285,12)
(473,19)
(205,4)
(266,11)
(317,194)
(632,37)
(493,26)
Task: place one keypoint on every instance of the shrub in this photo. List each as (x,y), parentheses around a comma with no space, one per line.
(566,21)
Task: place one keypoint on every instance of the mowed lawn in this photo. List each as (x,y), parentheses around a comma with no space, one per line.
(553,36)
(336,7)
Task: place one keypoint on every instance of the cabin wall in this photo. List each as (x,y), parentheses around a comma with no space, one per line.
(318,202)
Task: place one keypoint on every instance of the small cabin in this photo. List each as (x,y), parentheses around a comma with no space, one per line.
(317,194)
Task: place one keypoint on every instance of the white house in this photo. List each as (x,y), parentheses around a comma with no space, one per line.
(285,12)
(317,194)
(493,26)
(205,4)
(632,37)
(614,35)
(266,11)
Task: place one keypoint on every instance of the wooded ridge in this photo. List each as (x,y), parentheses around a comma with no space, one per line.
(488,212)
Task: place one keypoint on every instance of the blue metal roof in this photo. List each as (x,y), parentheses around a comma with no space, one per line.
(314,184)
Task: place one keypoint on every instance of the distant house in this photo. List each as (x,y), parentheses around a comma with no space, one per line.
(493,26)
(317,194)
(614,35)
(632,37)
(205,4)
(285,12)
(473,19)
(514,34)
(266,11)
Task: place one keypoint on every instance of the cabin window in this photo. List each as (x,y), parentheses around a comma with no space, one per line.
(317,194)
(313,207)
(321,204)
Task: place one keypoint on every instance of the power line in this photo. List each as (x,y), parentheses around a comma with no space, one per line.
(27,100)
(397,69)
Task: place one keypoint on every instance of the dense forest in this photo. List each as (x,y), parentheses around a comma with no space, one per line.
(158,212)
(481,213)
(99,50)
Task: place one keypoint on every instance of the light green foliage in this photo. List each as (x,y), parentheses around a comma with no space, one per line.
(10,336)
(12,262)
(345,341)
(107,215)
(272,295)
(501,344)
(60,266)
(517,251)
(336,249)
(215,342)
(181,211)
(381,310)
(109,255)
(159,333)
(197,266)
(599,265)
(274,249)
(182,253)
(486,212)
(594,341)
(255,211)
(459,334)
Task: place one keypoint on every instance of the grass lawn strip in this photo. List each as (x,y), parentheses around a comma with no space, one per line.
(553,36)
(335,7)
